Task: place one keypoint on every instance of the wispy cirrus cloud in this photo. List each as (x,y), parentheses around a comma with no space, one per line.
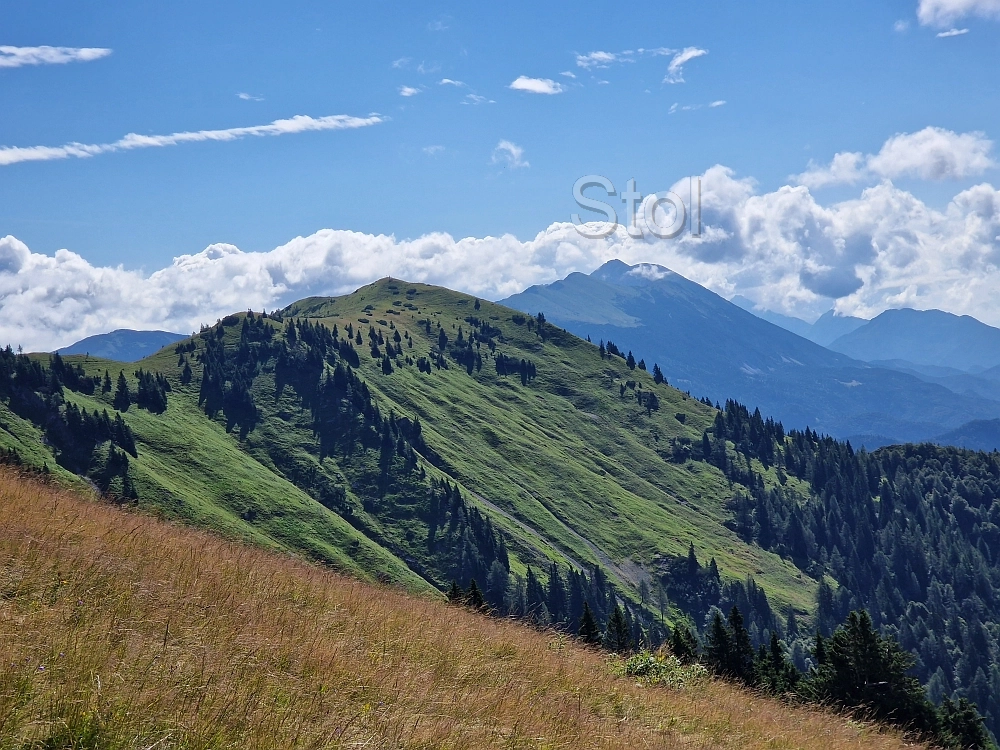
(944,13)
(509,154)
(536,85)
(951,33)
(16,57)
(929,154)
(249,97)
(297,124)
(675,70)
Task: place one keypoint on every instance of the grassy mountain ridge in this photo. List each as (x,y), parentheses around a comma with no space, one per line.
(567,466)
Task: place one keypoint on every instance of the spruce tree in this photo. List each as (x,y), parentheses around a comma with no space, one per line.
(123,399)
(588,630)
(475,598)
(619,635)
(630,361)
(683,644)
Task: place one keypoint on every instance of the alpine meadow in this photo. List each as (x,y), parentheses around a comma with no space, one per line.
(578,378)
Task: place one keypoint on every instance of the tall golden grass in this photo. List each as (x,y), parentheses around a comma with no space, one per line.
(120,631)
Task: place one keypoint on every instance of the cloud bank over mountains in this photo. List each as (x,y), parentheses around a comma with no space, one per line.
(782,249)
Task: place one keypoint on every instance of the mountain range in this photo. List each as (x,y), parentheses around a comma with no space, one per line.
(711,347)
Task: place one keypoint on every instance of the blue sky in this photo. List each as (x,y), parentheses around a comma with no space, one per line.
(793,83)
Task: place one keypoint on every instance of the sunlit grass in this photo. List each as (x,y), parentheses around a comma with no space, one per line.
(121,631)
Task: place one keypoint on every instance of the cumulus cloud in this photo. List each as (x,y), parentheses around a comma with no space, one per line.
(536,85)
(509,154)
(16,57)
(408,91)
(943,13)
(298,124)
(929,154)
(783,249)
(675,70)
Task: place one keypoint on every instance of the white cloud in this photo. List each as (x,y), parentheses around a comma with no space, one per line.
(16,57)
(450,82)
(952,32)
(408,91)
(675,70)
(510,154)
(401,63)
(929,154)
(782,249)
(568,74)
(901,26)
(249,97)
(536,85)
(943,13)
(718,103)
(432,150)
(297,124)
(477,99)
(597,59)
(439,25)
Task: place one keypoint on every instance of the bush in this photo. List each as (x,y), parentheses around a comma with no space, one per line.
(661,669)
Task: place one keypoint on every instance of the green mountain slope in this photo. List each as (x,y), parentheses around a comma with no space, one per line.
(567,466)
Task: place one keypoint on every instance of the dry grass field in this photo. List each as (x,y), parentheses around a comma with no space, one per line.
(120,631)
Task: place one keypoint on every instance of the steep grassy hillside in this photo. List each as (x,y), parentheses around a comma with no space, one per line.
(118,631)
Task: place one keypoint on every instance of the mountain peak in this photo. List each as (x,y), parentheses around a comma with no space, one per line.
(618,272)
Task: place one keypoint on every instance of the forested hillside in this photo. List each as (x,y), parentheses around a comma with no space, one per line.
(421,436)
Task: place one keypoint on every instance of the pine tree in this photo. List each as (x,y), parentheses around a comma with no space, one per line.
(619,636)
(588,630)
(475,597)
(106,387)
(683,644)
(601,350)
(123,398)
(186,374)
(630,361)
(657,374)
(455,593)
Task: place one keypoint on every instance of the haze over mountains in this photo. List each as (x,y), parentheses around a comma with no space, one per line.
(715,348)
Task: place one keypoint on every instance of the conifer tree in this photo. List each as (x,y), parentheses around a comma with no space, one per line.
(657,374)
(106,387)
(123,398)
(630,361)
(475,597)
(619,635)
(683,644)
(588,631)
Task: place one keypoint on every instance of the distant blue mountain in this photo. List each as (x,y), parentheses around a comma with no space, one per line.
(123,345)
(825,330)
(980,435)
(714,348)
(924,337)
